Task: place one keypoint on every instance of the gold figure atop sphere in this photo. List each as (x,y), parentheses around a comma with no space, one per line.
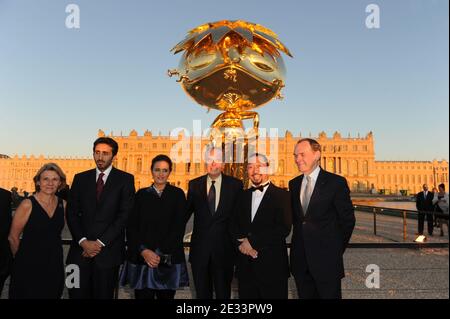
(231,66)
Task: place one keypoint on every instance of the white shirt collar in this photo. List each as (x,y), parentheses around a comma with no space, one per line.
(106,173)
(315,173)
(218,180)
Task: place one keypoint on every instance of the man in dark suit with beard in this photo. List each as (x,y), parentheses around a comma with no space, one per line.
(5,224)
(323,224)
(424,205)
(261,223)
(211,198)
(99,204)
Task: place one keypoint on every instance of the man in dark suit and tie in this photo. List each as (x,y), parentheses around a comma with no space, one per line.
(262,221)
(5,224)
(99,204)
(424,205)
(324,219)
(211,198)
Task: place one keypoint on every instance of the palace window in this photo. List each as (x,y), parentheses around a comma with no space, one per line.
(365,168)
(281,167)
(139,165)
(344,167)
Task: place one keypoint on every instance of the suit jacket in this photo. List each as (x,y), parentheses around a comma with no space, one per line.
(321,235)
(266,233)
(425,204)
(5,224)
(104,220)
(211,233)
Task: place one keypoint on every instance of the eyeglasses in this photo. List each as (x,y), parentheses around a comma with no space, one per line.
(161,170)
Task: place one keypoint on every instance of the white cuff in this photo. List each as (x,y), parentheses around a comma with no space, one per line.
(81,240)
(101,243)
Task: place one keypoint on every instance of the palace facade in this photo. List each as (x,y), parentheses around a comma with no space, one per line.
(353,158)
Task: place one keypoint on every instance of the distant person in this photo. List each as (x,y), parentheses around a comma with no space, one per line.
(156,265)
(324,220)
(424,205)
(38,266)
(5,224)
(211,198)
(440,200)
(262,220)
(16,198)
(434,190)
(100,201)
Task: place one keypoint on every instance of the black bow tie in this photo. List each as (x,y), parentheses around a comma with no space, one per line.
(259,188)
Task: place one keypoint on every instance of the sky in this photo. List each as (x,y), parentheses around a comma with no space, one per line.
(58,86)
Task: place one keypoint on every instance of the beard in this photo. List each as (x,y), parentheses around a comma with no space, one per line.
(102,165)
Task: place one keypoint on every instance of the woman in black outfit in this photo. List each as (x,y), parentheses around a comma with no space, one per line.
(38,267)
(156,264)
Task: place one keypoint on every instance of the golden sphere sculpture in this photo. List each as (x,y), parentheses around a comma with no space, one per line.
(231,66)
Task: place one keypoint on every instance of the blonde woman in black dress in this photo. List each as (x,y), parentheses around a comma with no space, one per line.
(35,239)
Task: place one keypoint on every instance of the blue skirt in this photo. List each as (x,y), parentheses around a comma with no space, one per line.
(163,277)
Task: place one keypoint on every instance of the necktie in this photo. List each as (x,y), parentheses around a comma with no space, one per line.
(259,188)
(100,185)
(212,198)
(306,196)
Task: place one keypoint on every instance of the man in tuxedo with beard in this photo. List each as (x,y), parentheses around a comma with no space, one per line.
(261,223)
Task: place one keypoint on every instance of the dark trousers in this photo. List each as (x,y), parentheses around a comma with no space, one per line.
(252,289)
(421,217)
(308,288)
(154,294)
(95,282)
(212,277)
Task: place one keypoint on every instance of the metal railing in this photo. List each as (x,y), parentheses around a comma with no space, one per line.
(404,214)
